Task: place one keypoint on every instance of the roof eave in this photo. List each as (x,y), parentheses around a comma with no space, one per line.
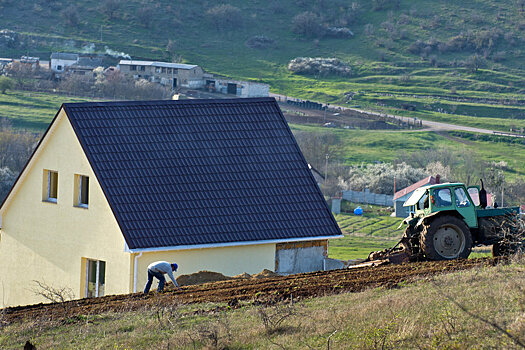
(228,244)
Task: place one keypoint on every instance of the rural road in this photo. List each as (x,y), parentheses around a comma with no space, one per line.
(427,124)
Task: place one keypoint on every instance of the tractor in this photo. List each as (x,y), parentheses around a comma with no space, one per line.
(447,220)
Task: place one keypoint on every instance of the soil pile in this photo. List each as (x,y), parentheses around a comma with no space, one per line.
(201,277)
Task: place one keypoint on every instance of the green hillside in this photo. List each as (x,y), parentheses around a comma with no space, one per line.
(459,62)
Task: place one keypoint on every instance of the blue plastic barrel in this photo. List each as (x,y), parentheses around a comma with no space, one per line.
(358,211)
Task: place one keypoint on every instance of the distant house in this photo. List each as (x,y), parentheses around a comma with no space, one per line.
(215,185)
(85,65)
(4,62)
(238,88)
(169,74)
(401,196)
(61,60)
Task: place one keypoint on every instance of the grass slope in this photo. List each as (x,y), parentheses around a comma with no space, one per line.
(387,71)
(425,315)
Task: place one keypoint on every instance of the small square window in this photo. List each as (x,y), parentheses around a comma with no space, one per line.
(50,192)
(81,191)
(133,67)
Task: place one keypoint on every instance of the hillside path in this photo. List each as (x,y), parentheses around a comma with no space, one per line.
(427,124)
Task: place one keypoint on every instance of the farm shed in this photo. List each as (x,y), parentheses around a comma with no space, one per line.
(216,185)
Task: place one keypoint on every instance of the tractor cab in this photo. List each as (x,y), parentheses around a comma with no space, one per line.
(448,197)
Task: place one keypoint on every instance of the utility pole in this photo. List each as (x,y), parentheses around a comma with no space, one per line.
(325,172)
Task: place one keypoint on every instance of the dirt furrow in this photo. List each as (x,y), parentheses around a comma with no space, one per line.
(268,290)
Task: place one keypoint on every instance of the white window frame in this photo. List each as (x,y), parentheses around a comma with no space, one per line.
(80,189)
(97,291)
(48,196)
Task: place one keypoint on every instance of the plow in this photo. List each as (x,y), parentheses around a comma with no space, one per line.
(447,220)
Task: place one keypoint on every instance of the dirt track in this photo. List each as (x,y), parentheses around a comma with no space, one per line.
(266,291)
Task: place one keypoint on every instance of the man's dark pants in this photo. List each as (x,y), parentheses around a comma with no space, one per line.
(159,276)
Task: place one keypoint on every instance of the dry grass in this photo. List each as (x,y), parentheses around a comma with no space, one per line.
(424,315)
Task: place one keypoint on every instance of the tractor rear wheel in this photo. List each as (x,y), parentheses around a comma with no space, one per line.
(446,237)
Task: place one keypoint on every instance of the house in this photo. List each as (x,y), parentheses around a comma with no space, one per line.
(216,185)
(237,88)
(173,75)
(4,62)
(61,60)
(85,65)
(401,196)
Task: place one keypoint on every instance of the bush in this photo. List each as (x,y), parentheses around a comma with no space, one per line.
(6,84)
(308,24)
(379,178)
(225,17)
(260,42)
(320,66)
(70,15)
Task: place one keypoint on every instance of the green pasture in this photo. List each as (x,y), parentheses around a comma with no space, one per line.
(32,110)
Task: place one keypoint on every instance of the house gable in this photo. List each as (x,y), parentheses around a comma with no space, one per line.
(50,241)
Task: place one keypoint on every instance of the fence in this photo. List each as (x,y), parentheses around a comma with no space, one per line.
(368,197)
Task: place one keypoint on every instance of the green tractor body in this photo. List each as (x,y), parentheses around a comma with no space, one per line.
(447,220)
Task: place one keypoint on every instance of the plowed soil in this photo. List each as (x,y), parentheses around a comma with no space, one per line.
(258,290)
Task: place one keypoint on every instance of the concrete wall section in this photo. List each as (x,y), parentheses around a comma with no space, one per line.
(368,197)
(300,257)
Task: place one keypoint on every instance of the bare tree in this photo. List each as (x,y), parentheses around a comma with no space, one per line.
(225,16)
(70,15)
(307,24)
(110,8)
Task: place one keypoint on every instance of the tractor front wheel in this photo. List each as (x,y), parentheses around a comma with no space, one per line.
(446,237)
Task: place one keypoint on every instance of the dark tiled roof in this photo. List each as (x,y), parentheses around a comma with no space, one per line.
(201,171)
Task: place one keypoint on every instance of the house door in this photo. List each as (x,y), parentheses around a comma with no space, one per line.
(174,83)
(232,89)
(95,278)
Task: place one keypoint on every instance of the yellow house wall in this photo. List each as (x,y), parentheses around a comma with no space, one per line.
(45,241)
(229,261)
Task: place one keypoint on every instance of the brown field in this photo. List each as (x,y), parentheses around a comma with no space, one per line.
(266,291)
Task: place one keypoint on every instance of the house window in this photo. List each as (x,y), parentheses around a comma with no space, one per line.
(158,69)
(50,192)
(59,68)
(133,67)
(95,278)
(142,68)
(81,191)
(170,71)
(175,71)
(163,69)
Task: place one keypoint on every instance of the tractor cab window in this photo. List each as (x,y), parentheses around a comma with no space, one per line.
(442,197)
(423,202)
(461,198)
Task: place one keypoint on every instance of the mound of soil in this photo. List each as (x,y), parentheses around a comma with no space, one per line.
(265,274)
(201,277)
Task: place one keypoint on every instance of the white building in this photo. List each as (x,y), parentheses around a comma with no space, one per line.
(61,60)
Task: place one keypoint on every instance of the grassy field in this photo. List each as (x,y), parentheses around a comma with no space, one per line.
(32,110)
(353,147)
(460,310)
(387,71)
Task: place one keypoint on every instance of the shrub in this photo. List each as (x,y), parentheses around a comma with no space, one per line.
(6,84)
(224,17)
(260,42)
(70,15)
(307,24)
(321,66)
